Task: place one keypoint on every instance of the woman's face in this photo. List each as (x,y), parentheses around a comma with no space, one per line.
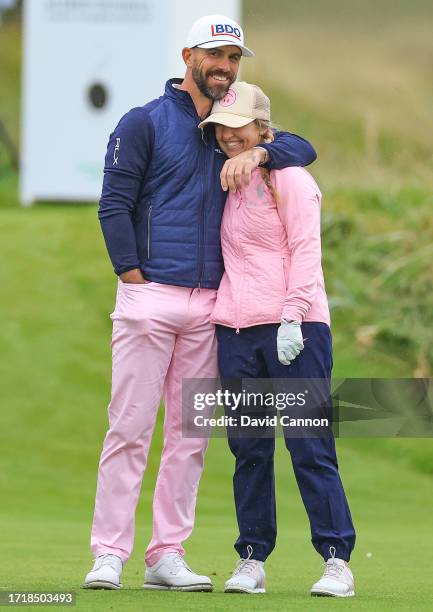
(236,140)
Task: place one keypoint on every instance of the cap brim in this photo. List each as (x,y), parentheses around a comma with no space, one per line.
(224,43)
(227,119)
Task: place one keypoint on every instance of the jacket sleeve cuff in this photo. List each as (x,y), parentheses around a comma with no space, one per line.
(120,271)
(292,314)
(268,160)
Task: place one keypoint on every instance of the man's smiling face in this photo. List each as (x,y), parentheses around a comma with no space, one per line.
(214,70)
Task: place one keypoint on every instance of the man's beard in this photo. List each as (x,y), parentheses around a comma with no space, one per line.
(213,93)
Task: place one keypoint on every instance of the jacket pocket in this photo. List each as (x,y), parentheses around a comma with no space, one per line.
(149,230)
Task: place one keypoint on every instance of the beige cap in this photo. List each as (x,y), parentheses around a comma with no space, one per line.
(242,104)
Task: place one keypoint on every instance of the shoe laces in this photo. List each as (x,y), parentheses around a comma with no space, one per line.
(332,568)
(178,561)
(246,566)
(111,560)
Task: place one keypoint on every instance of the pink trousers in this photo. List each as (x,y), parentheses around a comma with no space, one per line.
(161,335)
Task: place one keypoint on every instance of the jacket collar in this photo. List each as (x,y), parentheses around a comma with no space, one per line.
(180,96)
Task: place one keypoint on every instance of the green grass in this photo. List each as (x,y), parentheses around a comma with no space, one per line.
(55,382)
(10,83)
(355,79)
(45,537)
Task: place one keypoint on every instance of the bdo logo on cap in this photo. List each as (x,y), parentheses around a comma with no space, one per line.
(226,29)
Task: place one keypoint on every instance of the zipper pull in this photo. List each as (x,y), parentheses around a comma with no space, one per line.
(237,330)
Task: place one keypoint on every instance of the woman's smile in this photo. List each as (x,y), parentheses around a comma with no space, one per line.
(236,140)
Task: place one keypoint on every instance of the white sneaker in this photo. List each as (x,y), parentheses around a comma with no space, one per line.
(248,577)
(171,573)
(105,573)
(337,579)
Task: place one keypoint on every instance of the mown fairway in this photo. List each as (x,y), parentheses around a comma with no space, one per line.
(45,532)
(356,81)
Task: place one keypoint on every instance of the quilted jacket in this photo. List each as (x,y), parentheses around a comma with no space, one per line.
(272,253)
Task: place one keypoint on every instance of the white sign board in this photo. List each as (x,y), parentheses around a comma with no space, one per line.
(86,63)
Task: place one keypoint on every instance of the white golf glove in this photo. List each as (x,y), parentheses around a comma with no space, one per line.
(289,341)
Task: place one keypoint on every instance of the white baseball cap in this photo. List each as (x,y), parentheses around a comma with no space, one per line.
(242,104)
(217,31)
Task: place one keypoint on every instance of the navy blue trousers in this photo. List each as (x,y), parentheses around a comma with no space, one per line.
(252,353)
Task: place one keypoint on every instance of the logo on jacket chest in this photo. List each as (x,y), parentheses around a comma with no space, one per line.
(255,197)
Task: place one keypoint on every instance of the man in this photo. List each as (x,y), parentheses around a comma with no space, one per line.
(160,213)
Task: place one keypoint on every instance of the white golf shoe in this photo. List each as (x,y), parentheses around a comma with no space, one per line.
(171,573)
(248,577)
(105,573)
(337,579)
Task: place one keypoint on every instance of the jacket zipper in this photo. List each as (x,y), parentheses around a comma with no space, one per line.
(149,213)
(239,293)
(238,305)
(202,224)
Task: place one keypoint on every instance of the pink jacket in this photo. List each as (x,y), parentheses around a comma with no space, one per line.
(272,253)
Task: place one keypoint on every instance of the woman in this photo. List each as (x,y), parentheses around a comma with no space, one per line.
(273,321)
